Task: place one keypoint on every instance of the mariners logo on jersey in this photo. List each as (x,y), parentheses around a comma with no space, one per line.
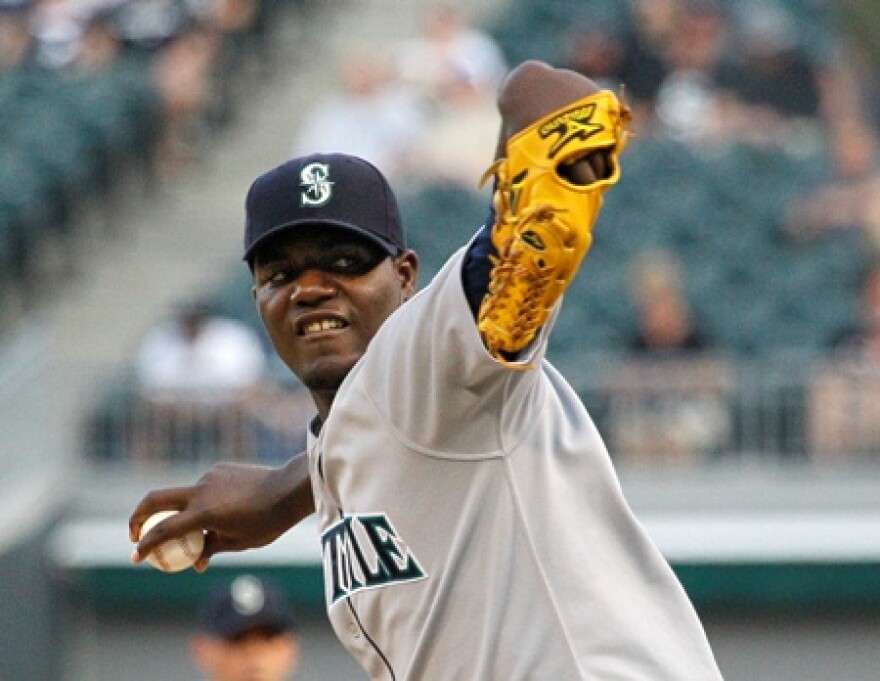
(315,177)
(365,551)
(576,124)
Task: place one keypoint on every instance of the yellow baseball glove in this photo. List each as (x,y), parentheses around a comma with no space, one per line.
(544,222)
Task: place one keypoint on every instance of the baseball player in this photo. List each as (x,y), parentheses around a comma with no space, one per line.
(246,632)
(471,523)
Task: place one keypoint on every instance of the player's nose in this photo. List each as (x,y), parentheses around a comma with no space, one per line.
(312,285)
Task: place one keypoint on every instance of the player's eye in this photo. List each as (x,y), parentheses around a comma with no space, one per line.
(343,263)
(277,276)
(355,262)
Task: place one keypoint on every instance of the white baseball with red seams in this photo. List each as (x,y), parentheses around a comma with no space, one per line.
(175,554)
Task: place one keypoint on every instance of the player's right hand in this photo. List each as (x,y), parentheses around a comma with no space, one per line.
(238,506)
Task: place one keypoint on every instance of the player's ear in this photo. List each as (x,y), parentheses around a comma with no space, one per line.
(257,302)
(407,267)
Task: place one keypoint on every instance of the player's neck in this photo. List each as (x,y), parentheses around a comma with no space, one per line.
(323,400)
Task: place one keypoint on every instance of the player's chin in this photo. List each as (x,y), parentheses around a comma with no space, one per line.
(328,373)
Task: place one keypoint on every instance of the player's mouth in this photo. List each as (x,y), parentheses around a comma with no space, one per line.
(315,326)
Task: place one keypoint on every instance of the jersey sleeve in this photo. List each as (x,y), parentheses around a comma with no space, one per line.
(428,372)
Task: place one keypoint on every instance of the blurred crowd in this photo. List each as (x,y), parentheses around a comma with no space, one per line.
(775,84)
(714,73)
(756,130)
(748,223)
(97,93)
(186,47)
(424,105)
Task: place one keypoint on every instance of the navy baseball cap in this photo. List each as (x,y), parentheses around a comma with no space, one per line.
(337,190)
(246,604)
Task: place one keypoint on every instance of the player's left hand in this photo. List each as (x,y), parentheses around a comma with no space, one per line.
(534,90)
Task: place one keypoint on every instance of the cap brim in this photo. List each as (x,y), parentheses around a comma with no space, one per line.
(234,627)
(388,247)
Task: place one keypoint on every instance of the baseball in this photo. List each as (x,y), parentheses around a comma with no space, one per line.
(175,554)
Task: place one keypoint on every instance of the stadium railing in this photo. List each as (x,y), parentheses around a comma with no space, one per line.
(693,412)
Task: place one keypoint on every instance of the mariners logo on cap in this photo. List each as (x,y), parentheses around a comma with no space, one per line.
(248,596)
(315,177)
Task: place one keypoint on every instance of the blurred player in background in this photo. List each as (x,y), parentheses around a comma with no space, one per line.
(247,634)
(471,523)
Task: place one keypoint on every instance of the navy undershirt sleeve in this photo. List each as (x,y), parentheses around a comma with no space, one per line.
(477,267)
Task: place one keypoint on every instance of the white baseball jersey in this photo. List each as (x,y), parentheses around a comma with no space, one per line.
(472,525)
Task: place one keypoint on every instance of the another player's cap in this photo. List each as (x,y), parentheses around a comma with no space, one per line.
(340,190)
(247,604)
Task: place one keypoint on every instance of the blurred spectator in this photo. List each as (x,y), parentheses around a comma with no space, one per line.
(862,41)
(147,25)
(371,115)
(599,51)
(863,343)
(234,22)
(247,633)
(771,92)
(196,376)
(665,325)
(199,357)
(188,45)
(99,46)
(611,50)
(204,391)
(675,411)
(850,199)
(668,401)
(277,418)
(114,99)
(448,52)
(460,141)
(597,46)
(692,59)
(774,72)
(57,28)
(229,17)
(184,70)
(844,398)
(454,69)
(16,39)
(654,24)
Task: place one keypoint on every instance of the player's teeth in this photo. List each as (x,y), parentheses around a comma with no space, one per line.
(323,326)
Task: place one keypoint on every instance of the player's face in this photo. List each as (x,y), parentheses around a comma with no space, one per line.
(255,657)
(322,295)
